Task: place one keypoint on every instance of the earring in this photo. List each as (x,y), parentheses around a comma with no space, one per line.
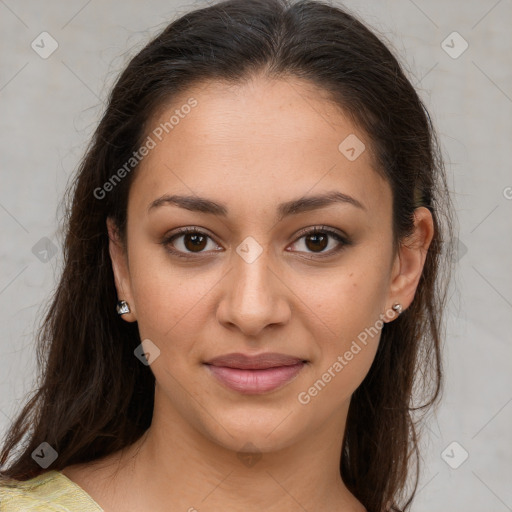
(123,307)
(397,308)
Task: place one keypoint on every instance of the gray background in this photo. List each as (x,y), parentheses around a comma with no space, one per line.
(49,108)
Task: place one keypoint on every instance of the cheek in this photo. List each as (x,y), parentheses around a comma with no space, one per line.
(170,300)
(344,301)
(346,353)
(337,379)
(348,310)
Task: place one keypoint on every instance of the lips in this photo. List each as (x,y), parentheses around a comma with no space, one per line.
(257,374)
(257,362)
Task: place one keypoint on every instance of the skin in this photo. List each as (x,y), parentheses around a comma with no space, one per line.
(276,140)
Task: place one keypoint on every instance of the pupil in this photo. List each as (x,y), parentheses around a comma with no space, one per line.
(196,242)
(321,238)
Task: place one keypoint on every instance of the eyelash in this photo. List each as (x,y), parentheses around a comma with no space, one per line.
(344,241)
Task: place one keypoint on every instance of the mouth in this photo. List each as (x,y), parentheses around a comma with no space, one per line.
(258,374)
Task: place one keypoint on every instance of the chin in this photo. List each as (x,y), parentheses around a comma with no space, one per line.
(256,429)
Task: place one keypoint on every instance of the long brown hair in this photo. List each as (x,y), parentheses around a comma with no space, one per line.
(93,396)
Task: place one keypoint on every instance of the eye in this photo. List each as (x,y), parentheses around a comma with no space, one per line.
(317,239)
(192,241)
(189,241)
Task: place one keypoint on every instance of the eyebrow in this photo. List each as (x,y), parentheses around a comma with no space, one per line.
(293,207)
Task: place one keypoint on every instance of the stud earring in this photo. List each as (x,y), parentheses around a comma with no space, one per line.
(123,307)
(397,308)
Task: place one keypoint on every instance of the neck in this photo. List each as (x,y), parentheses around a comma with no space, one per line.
(180,465)
(176,464)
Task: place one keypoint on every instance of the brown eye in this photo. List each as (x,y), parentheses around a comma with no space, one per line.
(194,242)
(316,240)
(187,242)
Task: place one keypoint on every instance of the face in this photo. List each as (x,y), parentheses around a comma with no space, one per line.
(251,276)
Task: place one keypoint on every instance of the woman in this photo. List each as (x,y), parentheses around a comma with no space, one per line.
(253,279)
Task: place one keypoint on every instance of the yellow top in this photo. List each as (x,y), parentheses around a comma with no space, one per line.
(51,491)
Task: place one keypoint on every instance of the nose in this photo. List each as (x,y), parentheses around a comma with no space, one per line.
(254,297)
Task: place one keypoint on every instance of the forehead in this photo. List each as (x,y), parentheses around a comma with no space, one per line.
(256,143)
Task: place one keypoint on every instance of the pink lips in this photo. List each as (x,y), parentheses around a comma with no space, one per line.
(255,374)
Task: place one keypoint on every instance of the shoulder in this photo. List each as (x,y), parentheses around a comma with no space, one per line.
(51,491)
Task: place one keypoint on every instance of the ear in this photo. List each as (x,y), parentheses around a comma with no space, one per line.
(121,271)
(410,259)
